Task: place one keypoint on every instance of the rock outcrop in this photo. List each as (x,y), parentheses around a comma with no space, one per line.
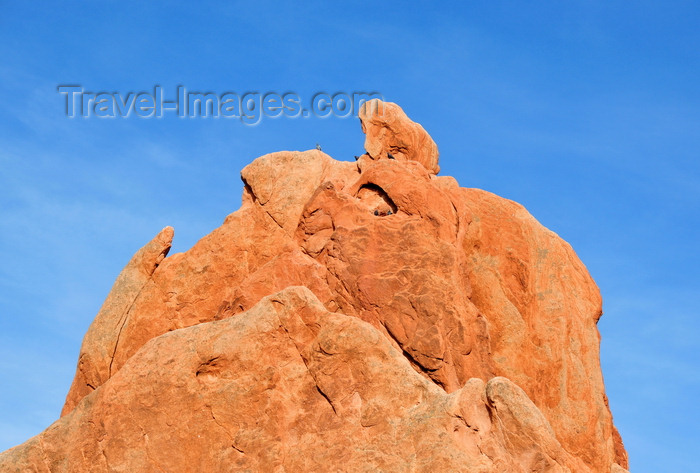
(389,134)
(351,316)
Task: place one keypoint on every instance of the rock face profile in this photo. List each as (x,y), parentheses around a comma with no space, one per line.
(364,316)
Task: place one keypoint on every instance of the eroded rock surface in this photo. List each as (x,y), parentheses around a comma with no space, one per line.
(390,134)
(351,316)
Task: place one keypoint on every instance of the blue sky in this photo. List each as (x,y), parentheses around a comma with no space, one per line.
(586,112)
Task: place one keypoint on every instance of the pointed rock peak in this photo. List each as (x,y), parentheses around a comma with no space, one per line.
(345,308)
(390,134)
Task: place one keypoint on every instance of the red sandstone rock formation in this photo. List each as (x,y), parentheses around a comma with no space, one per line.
(350,317)
(390,133)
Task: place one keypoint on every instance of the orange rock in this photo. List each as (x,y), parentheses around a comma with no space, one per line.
(290,386)
(365,316)
(100,342)
(390,134)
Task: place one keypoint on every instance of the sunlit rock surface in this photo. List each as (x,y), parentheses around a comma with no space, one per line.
(364,316)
